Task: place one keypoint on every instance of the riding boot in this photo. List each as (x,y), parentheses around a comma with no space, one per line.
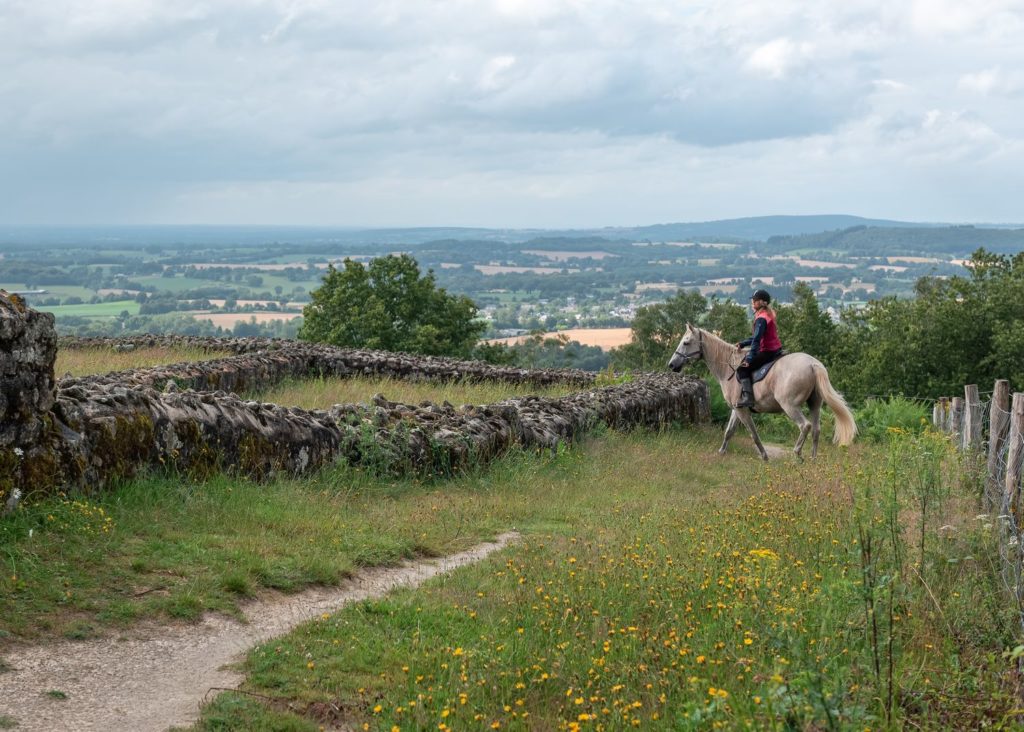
(746,394)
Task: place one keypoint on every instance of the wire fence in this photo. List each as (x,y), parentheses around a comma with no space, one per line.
(994,430)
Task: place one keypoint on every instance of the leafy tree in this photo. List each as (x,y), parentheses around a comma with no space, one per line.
(803,325)
(955,331)
(388,305)
(728,319)
(657,330)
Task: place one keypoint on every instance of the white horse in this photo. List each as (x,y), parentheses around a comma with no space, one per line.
(794,380)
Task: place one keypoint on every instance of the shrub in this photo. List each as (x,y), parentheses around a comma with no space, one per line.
(878,416)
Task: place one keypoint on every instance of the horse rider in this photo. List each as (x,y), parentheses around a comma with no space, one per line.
(764,345)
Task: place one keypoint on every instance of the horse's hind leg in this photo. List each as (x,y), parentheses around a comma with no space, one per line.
(730,430)
(795,413)
(744,416)
(815,404)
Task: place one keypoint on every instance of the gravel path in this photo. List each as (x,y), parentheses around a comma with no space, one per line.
(156,677)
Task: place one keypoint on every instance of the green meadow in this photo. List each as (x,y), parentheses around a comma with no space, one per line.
(656,585)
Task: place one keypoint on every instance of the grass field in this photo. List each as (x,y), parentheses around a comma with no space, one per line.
(657,586)
(93,310)
(85,361)
(325,393)
(60,291)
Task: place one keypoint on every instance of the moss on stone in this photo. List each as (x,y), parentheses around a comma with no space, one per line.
(125,448)
(201,460)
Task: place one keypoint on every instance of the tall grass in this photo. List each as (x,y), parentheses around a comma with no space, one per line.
(322,393)
(101,360)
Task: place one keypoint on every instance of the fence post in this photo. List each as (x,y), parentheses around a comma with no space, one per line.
(956,418)
(972,418)
(943,423)
(937,415)
(1015,453)
(998,426)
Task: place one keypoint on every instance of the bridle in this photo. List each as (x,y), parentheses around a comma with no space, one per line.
(687,357)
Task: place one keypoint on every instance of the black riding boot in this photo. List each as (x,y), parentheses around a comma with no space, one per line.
(746,393)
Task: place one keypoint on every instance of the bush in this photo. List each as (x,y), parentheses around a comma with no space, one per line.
(878,416)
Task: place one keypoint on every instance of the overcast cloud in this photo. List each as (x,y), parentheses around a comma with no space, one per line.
(511,113)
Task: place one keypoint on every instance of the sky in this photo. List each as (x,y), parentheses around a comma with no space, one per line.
(508,113)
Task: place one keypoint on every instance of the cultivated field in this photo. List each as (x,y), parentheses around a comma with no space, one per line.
(605,338)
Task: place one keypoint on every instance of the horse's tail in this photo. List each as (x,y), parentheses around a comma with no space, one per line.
(846,427)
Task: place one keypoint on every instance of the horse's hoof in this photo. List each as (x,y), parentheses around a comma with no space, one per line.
(764,456)
(721,451)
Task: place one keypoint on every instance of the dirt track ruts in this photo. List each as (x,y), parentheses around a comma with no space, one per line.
(154,677)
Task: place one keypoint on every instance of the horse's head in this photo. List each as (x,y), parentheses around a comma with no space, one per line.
(691,347)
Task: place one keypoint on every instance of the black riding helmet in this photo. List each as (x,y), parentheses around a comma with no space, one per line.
(761,295)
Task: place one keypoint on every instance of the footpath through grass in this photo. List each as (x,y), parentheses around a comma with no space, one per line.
(657,586)
(673,590)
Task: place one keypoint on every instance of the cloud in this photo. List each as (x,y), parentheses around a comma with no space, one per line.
(298,103)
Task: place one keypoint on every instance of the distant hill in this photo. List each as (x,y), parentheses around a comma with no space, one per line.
(756,228)
(751,229)
(880,241)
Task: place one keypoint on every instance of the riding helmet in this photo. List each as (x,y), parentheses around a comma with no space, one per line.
(761,295)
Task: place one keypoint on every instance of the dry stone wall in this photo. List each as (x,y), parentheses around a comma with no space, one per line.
(82,433)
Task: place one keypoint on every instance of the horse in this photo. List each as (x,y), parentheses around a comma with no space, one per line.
(795,379)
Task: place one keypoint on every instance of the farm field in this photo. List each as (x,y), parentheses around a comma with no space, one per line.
(604,338)
(655,586)
(228,320)
(93,310)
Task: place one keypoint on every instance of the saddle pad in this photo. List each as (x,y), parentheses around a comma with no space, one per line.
(763,371)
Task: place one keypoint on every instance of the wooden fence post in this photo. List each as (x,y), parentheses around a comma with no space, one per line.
(956,418)
(944,414)
(998,426)
(938,416)
(1015,453)
(972,418)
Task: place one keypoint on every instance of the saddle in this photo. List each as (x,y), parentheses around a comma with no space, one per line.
(763,370)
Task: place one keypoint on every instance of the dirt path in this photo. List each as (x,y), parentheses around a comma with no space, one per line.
(156,677)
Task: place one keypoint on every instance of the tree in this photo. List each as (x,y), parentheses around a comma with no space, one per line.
(388,305)
(657,330)
(803,326)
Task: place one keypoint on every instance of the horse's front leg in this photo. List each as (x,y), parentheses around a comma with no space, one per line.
(747,419)
(730,430)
